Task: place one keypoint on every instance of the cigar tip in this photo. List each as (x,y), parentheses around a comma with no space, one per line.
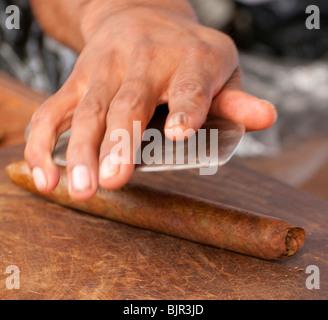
(11,169)
(16,170)
(295,240)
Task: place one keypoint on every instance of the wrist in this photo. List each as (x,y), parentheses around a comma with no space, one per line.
(94,13)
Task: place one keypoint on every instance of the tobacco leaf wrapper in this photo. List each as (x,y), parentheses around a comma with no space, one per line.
(179,215)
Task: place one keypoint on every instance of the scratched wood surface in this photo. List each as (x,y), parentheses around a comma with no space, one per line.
(66,254)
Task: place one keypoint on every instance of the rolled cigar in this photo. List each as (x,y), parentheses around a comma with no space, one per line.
(179,215)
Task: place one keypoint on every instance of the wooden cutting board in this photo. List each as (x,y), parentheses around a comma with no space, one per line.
(66,254)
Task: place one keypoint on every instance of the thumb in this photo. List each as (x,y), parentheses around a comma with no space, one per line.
(233,103)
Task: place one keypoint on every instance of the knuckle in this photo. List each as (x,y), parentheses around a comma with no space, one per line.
(87,111)
(127,101)
(196,49)
(42,117)
(145,50)
(189,88)
(47,112)
(228,45)
(228,41)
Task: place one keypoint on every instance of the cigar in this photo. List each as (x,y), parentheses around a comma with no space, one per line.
(179,215)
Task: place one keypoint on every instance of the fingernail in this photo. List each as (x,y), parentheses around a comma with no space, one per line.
(269,104)
(81,178)
(176,119)
(110,167)
(39,178)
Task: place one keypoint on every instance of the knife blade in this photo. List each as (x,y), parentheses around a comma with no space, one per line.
(211,146)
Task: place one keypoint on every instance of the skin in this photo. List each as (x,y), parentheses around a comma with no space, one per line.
(133,56)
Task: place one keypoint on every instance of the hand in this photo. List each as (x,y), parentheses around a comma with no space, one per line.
(134,59)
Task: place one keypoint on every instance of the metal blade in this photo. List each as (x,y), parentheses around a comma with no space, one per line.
(212,146)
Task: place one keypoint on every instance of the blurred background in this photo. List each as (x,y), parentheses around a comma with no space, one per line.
(282,61)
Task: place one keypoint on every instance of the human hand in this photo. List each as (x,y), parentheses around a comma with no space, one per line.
(134,59)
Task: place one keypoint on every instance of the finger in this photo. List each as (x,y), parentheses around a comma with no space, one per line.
(189,99)
(48,122)
(128,116)
(195,84)
(129,113)
(235,104)
(87,130)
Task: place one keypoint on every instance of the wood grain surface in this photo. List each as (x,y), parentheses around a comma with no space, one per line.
(66,254)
